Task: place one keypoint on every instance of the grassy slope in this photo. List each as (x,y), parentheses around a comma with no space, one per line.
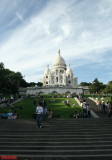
(27,108)
(59,109)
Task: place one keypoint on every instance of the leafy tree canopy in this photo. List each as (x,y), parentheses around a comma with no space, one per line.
(32,84)
(108,88)
(96,86)
(39,84)
(85,84)
(10,81)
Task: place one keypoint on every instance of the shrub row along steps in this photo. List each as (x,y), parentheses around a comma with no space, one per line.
(59,139)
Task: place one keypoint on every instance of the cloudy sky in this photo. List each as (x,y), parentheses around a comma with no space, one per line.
(32,31)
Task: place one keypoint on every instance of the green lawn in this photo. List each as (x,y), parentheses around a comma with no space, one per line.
(105,98)
(27,108)
(60,110)
(99,97)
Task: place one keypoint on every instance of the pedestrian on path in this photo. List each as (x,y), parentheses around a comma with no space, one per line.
(84,109)
(110,113)
(39,114)
(89,111)
(34,102)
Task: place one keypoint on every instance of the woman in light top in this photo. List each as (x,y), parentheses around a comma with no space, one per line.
(39,113)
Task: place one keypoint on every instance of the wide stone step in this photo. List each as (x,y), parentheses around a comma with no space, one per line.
(52,121)
(76,121)
(57,143)
(59,128)
(90,132)
(95,139)
(58,136)
(57,152)
(66,128)
(67,157)
(56,147)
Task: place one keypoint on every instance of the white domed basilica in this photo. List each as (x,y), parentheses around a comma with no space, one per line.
(59,75)
(58,79)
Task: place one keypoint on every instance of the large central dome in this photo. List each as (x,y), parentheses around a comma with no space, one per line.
(59,62)
(59,75)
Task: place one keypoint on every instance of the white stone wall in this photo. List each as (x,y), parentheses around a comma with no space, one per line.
(47,90)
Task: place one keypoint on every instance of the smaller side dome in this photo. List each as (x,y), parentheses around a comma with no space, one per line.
(69,71)
(47,70)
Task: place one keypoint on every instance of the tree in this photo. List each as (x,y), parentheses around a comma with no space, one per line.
(108,88)
(10,81)
(1,65)
(39,84)
(96,86)
(85,84)
(32,84)
(23,83)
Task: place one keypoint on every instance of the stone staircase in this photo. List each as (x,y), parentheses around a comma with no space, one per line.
(59,139)
(95,108)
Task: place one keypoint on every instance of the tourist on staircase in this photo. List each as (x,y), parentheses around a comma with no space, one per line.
(110,113)
(88,111)
(39,114)
(84,109)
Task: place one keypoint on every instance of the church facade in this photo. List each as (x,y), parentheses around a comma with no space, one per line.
(58,79)
(60,75)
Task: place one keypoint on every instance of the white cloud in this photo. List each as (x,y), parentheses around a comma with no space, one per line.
(81,29)
(19,16)
(66,29)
